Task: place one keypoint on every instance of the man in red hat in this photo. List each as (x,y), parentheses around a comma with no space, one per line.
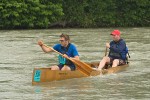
(117,53)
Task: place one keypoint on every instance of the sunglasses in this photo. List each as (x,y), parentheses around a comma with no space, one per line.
(61,40)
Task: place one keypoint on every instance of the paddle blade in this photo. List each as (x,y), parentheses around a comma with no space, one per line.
(85,68)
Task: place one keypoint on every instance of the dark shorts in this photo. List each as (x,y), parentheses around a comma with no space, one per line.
(72,67)
(121,62)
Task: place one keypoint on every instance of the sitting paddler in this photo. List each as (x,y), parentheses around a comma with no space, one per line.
(67,49)
(117,51)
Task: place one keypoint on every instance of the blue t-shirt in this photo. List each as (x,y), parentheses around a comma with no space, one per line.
(71,51)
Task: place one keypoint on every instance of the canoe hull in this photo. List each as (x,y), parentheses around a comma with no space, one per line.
(42,75)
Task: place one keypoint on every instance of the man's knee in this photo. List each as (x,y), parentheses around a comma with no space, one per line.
(116,61)
(54,68)
(66,68)
(106,59)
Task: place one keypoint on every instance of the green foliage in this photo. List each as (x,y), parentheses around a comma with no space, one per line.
(133,12)
(29,13)
(103,12)
(75,13)
(100,13)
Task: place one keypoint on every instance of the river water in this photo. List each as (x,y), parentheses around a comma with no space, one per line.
(20,54)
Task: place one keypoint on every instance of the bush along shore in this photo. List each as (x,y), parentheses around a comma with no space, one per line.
(42,14)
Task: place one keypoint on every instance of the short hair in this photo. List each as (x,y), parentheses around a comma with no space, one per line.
(65,36)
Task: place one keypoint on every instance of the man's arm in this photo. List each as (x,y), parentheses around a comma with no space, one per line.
(76,54)
(44,48)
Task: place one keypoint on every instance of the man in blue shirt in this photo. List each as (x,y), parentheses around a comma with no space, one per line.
(66,48)
(117,53)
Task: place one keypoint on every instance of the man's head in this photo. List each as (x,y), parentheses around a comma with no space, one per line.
(64,39)
(115,32)
(115,35)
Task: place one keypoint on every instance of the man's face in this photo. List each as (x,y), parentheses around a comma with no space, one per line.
(63,42)
(115,37)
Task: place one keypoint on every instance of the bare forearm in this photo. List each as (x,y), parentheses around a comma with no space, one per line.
(45,49)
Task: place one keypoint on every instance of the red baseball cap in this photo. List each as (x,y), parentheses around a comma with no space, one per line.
(115,32)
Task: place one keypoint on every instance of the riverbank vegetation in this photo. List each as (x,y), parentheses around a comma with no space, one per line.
(25,14)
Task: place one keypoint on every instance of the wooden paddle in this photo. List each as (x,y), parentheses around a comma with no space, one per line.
(82,67)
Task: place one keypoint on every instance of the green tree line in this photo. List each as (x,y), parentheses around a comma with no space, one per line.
(26,14)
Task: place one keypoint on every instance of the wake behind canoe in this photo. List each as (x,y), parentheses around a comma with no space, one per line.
(42,75)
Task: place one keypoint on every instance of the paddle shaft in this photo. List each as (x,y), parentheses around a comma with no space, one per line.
(57,52)
(83,67)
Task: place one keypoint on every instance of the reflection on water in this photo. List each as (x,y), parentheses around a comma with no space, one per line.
(20,54)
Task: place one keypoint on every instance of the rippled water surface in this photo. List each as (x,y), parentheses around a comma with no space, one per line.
(20,54)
